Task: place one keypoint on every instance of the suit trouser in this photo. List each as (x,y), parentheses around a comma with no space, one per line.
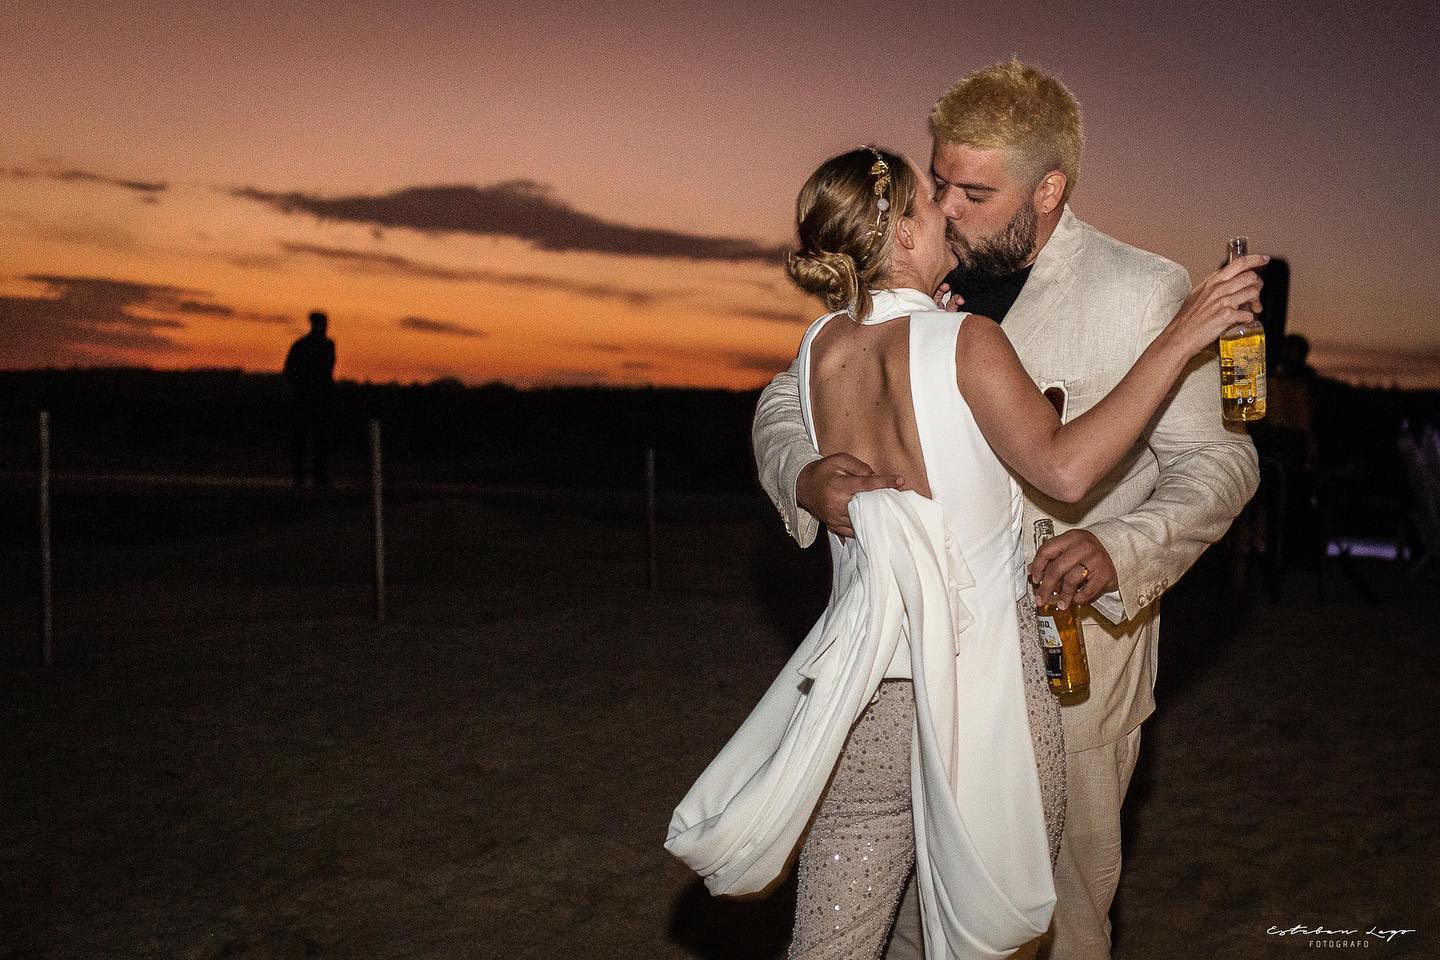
(1087,872)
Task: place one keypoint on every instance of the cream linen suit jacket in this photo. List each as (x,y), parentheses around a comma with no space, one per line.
(1089,308)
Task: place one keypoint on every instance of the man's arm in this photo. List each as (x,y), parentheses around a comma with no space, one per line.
(783,449)
(1207,475)
(808,489)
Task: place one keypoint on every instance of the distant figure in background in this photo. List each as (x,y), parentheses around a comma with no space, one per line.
(1275,307)
(1290,417)
(1420,459)
(310,370)
(1285,442)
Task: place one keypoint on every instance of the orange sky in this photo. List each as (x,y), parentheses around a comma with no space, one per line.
(678,129)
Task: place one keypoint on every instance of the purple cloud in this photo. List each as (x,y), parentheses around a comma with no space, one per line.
(518,209)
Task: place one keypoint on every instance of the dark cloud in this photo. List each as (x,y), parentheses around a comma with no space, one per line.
(83,314)
(225,312)
(370,261)
(774,316)
(203,308)
(148,189)
(766,363)
(255,261)
(82,319)
(747,361)
(426,325)
(519,209)
(109,236)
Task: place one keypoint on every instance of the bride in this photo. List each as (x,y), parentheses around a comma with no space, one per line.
(961,768)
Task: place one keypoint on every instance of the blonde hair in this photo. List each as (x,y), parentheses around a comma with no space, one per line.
(1019,107)
(845,238)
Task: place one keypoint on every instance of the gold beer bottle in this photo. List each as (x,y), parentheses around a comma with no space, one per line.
(1242,361)
(1061,641)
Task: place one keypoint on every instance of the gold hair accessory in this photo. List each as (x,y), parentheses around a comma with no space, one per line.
(880,170)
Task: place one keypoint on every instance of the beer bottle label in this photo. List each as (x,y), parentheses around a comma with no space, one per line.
(1054,664)
(1049,633)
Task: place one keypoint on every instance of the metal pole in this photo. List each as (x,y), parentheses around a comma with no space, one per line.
(47,621)
(376,511)
(651,577)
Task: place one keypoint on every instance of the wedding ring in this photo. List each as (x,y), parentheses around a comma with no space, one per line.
(1084,572)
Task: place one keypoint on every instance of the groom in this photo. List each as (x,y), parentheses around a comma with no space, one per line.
(1079,307)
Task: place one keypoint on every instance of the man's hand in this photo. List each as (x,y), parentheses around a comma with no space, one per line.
(1072,568)
(825,487)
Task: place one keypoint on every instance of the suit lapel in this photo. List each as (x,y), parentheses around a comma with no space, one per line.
(1050,282)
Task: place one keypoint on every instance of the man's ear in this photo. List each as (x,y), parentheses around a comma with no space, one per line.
(1050,192)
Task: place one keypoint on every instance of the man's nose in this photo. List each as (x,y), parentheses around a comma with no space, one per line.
(951,206)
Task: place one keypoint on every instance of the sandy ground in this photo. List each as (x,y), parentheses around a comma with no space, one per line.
(232,760)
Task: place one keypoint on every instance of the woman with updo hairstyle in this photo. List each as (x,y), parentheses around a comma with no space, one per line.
(939,399)
(843,249)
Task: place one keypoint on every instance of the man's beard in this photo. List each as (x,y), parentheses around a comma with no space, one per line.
(986,260)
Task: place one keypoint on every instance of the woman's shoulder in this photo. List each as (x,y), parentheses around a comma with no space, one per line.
(813,331)
(977,325)
(980,343)
(819,322)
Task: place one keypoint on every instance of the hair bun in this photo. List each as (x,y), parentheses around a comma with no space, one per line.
(844,222)
(832,277)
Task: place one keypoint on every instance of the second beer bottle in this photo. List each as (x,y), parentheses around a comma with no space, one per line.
(1066,666)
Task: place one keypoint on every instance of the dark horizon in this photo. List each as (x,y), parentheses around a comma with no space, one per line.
(450,380)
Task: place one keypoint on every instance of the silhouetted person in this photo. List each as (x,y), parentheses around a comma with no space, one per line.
(310,370)
(1275,308)
(1279,518)
(1291,402)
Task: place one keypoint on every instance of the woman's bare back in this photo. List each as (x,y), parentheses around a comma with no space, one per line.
(860,397)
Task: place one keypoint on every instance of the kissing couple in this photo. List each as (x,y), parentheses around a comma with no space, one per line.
(942,801)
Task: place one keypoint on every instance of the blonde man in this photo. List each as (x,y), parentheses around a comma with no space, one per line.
(1079,307)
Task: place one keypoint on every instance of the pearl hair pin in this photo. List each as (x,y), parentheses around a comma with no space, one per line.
(880,170)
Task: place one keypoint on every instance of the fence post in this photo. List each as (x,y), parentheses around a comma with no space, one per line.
(376,484)
(47,621)
(651,577)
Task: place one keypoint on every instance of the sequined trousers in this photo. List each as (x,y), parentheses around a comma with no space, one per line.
(861,845)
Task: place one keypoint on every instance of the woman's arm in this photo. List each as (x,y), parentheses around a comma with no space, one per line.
(1065,461)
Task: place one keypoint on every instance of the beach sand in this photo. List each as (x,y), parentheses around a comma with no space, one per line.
(232,760)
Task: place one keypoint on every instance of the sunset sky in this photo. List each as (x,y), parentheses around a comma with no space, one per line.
(547,193)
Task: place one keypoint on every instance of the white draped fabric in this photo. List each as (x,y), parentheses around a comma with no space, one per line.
(926,589)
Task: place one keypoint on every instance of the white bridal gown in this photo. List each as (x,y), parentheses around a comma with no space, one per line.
(926,589)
